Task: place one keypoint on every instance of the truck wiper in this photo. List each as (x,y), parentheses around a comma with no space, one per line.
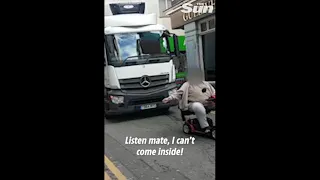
(130,63)
(124,61)
(157,58)
(153,61)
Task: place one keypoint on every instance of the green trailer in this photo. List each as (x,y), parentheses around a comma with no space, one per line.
(181,74)
(181,40)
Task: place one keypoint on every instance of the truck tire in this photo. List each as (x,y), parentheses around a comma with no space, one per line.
(106,108)
(165,110)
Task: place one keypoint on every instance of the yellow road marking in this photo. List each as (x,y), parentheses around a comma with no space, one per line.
(106,176)
(114,169)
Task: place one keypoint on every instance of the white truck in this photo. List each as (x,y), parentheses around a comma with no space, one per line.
(139,70)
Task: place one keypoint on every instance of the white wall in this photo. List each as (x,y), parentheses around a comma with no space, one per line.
(152,6)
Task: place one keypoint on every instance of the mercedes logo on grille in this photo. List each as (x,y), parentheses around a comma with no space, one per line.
(145,81)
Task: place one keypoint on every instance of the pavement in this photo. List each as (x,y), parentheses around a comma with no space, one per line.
(121,159)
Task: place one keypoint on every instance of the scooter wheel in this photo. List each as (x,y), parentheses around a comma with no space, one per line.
(213,134)
(186,129)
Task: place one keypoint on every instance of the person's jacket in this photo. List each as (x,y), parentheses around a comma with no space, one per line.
(182,94)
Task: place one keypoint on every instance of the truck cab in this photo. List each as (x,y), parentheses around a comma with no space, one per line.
(139,70)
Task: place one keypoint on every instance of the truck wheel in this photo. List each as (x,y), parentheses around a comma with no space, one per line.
(105,110)
(106,105)
(105,114)
(165,110)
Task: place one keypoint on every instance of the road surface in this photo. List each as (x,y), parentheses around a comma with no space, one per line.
(121,159)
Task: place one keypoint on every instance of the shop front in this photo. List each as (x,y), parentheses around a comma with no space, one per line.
(199,30)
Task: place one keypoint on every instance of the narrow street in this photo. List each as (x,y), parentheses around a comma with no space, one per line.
(196,162)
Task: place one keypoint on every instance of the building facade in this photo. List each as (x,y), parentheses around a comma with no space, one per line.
(199,29)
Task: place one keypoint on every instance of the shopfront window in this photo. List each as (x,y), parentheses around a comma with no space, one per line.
(211,24)
(207,40)
(203,26)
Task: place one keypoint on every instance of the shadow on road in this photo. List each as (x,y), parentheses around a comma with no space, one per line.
(138,115)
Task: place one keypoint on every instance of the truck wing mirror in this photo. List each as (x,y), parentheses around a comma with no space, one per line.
(166,33)
(176,45)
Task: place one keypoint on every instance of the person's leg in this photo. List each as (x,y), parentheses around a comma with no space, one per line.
(200,112)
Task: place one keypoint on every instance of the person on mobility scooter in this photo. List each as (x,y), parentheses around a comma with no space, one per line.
(195,97)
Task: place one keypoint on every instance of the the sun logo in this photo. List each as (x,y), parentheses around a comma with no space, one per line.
(199,7)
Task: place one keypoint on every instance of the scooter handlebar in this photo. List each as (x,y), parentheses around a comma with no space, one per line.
(211,99)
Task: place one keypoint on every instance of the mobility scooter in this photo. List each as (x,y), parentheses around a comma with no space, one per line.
(192,126)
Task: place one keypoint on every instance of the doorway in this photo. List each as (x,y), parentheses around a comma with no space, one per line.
(207,43)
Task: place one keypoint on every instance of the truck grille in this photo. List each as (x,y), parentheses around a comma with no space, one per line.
(134,83)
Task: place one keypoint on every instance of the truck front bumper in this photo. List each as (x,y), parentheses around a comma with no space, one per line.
(133,102)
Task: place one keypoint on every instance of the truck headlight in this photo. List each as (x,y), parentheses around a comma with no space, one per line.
(117,99)
(171,91)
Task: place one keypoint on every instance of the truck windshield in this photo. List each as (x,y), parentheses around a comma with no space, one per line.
(124,49)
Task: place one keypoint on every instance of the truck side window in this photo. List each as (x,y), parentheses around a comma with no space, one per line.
(111,47)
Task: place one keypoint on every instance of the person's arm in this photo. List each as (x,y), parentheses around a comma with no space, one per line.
(177,95)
